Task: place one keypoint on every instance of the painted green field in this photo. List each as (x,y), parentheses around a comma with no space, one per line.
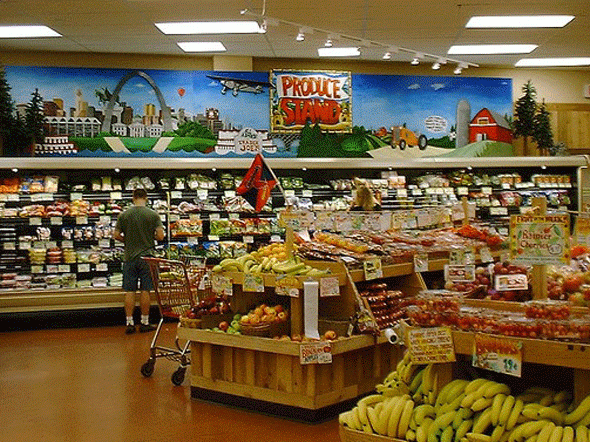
(190,144)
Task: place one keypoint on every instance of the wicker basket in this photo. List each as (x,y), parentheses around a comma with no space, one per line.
(261,330)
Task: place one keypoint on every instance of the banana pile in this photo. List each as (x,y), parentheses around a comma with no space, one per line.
(408,406)
(257,264)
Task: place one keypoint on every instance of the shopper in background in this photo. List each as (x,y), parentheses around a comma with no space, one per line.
(364,198)
(138,228)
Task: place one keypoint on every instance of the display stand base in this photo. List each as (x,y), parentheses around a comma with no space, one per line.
(274,409)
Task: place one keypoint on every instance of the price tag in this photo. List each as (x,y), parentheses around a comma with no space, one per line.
(248,239)
(194,216)
(498,211)
(307,193)
(439,191)
(275,238)
(485,255)
(214,216)
(421,262)
(75,196)
(486,190)
(63,268)
(116,195)
(56,221)
(503,231)
(9,246)
(431,345)
(51,244)
(416,192)
(83,268)
(202,194)
(289,193)
(253,283)
(402,193)
(449,191)
(506,186)
(456,257)
(508,282)
(81,220)
(102,267)
(372,268)
(174,217)
(287,286)
(213,237)
(52,268)
(192,240)
(13,197)
(67,244)
(497,354)
(462,191)
(24,245)
(104,243)
(329,287)
(229,193)
(221,284)
(163,217)
(3,197)
(315,353)
(176,195)
(36,269)
(35,221)
(104,219)
(460,273)
(233,216)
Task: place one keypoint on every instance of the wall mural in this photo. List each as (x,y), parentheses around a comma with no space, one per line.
(159,113)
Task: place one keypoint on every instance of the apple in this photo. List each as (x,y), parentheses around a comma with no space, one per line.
(223,326)
(282,316)
(330,335)
(279,308)
(259,311)
(269,310)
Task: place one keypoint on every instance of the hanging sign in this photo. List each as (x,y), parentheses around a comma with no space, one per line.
(538,240)
(431,345)
(497,354)
(298,98)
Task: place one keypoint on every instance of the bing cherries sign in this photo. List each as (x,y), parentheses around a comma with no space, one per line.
(301,97)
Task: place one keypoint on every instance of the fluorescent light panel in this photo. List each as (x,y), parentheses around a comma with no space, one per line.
(210,27)
(339,52)
(202,46)
(491,49)
(567,61)
(519,21)
(27,31)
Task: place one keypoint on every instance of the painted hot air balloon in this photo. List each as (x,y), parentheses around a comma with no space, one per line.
(181,91)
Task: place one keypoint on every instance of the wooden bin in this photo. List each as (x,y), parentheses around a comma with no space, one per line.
(350,435)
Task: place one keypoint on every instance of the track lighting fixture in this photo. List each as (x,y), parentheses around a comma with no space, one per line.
(300,36)
(387,56)
(415,61)
(328,43)
(436,66)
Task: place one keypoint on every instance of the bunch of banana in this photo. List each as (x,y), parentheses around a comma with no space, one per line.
(399,381)
(547,431)
(249,263)
(547,397)
(378,414)
(580,415)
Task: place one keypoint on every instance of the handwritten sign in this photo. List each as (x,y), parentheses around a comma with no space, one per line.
(431,345)
(497,354)
(287,286)
(253,283)
(538,240)
(373,268)
(221,285)
(315,353)
(329,287)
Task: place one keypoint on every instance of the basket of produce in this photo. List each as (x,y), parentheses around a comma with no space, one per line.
(260,330)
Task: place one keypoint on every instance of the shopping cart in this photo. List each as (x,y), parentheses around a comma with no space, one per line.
(176,284)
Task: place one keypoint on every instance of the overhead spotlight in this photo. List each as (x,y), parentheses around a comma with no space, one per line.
(117,170)
(436,66)
(300,36)
(328,43)
(458,70)
(15,170)
(387,56)
(415,61)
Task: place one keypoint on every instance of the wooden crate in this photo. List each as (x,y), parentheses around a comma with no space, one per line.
(270,370)
(350,435)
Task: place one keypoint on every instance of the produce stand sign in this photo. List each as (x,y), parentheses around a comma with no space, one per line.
(329,287)
(510,282)
(539,240)
(315,353)
(373,268)
(253,283)
(421,262)
(583,229)
(497,354)
(287,286)
(221,284)
(460,273)
(431,345)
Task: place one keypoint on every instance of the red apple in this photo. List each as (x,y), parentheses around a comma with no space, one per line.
(224,325)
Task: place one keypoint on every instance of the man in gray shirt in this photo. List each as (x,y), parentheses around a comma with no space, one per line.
(138,228)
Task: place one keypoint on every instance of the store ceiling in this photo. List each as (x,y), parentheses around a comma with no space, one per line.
(431,26)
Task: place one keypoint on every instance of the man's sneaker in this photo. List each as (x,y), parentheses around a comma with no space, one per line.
(144,328)
(130,329)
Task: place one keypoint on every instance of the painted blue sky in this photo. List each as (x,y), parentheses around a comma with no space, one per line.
(378,100)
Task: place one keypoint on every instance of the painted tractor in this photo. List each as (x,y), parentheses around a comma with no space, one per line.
(403,137)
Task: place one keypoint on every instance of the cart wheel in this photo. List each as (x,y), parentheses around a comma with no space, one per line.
(178,376)
(147,369)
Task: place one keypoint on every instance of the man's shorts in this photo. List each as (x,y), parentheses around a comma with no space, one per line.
(134,272)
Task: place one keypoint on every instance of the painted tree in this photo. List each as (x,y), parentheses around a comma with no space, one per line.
(7,119)
(543,134)
(34,118)
(524,113)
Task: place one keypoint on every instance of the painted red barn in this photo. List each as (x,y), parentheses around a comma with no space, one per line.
(489,125)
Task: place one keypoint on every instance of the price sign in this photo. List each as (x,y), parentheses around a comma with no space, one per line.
(431,345)
(508,282)
(221,285)
(75,196)
(538,240)
(289,193)
(213,237)
(307,193)
(456,257)
(497,354)
(81,220)
(9,246)
(83,268)
(67,244)
(485,255)
(36,269)
(421,262)
(460,273)
(102,267)
(52,268)
(202,194)
(35,221)
(104,243)
(248,239)
(253,283)
(116,195)
(287,286)
(486,190)
(13,197)
(63,268)
(104,219)
(176,195)
(402,193)
(229,193)
(24,245)
(498,211)
(56,221)
(372,268)
(462,191)
(416,192)
(329,287)
(315,353)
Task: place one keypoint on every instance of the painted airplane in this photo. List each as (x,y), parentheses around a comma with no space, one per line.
(240,85)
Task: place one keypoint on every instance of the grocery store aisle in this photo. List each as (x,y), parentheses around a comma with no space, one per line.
(84,384)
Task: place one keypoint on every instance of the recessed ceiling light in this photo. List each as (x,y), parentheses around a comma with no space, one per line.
(491,49)
(202,46)
(339,52)
(519,21)
(210,27)
(567,61)
(27,31)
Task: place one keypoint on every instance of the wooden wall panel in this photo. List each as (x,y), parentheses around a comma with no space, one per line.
(571,125)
